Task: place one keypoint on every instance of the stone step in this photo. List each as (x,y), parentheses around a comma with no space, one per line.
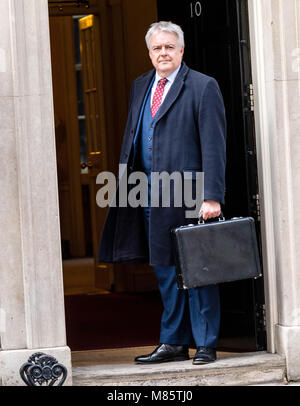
(255,368)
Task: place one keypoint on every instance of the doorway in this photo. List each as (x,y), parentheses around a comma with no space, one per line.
(80,143)
(103,303)
(217,44)
(89,129)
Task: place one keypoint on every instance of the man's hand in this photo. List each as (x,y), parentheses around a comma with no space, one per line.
(210,209)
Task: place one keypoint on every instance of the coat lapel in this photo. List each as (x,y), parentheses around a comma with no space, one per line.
(141,87)
(173,92)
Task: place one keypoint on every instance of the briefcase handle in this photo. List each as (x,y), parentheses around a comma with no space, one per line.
(219,218)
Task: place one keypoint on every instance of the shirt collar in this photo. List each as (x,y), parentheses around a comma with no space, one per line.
(170,78)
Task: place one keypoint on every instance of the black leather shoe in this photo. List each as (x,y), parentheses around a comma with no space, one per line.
(204,355)
(165,353)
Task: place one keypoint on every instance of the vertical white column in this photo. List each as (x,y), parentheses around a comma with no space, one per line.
(31,290)
(275,43)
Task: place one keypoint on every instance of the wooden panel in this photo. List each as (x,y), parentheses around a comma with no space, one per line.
(92,74)
(72,7)
(92,63)
(66,132)
(138,15)
(120,87)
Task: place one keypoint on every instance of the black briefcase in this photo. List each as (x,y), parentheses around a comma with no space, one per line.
(216,252)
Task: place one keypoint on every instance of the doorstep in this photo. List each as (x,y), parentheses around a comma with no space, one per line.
(115,367)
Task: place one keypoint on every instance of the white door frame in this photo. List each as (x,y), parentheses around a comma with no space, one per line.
(264,111)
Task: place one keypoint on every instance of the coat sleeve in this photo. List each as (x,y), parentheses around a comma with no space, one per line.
(212,128)
(124,154)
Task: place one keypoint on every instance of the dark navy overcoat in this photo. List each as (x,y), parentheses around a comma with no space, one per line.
(189,135)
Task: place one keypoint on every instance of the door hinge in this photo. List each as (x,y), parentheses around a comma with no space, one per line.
(261,326)
(260,312)
(257,205)
(250,97)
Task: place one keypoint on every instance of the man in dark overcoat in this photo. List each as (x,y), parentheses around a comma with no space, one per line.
(176,123)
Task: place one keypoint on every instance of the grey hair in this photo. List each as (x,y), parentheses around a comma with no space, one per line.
(165,26)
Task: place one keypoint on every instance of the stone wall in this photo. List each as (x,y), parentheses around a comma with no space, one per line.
(31,288)
(275,47)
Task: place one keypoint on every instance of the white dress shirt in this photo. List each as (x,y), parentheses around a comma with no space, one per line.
(169,83)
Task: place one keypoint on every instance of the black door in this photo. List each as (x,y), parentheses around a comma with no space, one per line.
(217,44)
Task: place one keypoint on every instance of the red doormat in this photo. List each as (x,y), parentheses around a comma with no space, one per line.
(114,320)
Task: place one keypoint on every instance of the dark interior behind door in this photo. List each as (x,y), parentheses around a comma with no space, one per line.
(217,44)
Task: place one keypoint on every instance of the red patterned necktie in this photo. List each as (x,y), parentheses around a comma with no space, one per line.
(157,97)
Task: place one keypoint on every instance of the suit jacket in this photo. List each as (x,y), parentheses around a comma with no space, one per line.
(189,135)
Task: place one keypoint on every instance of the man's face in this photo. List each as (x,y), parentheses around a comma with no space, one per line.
(165,53)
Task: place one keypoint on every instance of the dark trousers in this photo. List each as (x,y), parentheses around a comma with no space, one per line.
(190,316)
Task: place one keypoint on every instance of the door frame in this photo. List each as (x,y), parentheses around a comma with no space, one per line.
(263,113)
